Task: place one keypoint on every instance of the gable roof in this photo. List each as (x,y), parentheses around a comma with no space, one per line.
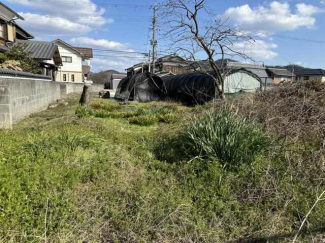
(86,52)
(41,50)
(280,72)
(311,72)
(67,45)
(258,70)
(12,11)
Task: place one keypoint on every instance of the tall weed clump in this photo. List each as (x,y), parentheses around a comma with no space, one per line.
(225,136)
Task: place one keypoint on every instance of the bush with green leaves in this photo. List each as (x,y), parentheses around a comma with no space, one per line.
(225,136)
(26,62)
(84,111)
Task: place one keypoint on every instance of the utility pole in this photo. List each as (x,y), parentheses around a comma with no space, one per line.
(293,73)
(149,61)
(154,41)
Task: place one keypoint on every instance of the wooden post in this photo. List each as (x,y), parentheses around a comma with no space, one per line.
(85,96)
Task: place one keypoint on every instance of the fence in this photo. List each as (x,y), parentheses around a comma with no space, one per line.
(22,95)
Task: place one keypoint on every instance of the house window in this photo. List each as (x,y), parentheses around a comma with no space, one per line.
(64,77)
(67,59)
(3,30)
(72,77)
(306,77)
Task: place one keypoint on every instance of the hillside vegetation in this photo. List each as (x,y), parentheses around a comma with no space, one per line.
(248,169)
(103,76)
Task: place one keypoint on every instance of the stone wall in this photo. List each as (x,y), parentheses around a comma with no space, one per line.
(21,97)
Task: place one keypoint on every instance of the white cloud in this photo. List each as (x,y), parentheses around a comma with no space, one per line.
(53,25)
(258,50)
(98,43)
(276,17)
(307,10)
(82,13)
(116,63)
(123,58)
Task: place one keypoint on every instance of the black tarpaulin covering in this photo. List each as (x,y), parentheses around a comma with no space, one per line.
(141,87)
(190,89)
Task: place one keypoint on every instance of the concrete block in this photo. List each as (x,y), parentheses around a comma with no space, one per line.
(4,90)
(4,99)
(4,109)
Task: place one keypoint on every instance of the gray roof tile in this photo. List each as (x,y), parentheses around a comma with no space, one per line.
(39,49)
(9,72)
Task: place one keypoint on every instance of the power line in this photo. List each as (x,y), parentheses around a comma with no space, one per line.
(300,39)
(112,4)
(117,51)
(136,57)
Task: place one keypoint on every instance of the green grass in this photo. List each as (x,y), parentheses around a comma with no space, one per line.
(107,173)
(140,115)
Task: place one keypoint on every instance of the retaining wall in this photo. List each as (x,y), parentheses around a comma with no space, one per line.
(21,97)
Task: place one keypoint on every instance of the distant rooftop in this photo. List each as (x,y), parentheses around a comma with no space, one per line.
(280,72)
(245,65)
(310,72)
(86,52)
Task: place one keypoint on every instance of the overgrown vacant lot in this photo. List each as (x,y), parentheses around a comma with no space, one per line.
(248,169)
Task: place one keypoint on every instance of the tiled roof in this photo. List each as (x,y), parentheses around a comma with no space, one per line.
(280,72)
(14,73)
(39,49)
(86,52)
(311,72)
(12,11)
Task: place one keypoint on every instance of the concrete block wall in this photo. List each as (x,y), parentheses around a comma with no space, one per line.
(21,97)
(96,88)
(5,115)
(69,87)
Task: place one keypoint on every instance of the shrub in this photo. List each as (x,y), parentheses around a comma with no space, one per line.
(143,120)
(83,111)
(225,136)
(26,62)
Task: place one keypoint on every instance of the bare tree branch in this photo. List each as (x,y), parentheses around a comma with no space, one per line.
(189,33)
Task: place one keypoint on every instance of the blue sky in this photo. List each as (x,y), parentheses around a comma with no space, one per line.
(287,31)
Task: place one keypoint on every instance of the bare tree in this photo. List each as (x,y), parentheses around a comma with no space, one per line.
(190,34)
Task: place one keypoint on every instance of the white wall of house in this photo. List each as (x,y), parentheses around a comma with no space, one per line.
(69,72)
(76,65)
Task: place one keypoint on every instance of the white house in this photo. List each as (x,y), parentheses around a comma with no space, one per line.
(72,69)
